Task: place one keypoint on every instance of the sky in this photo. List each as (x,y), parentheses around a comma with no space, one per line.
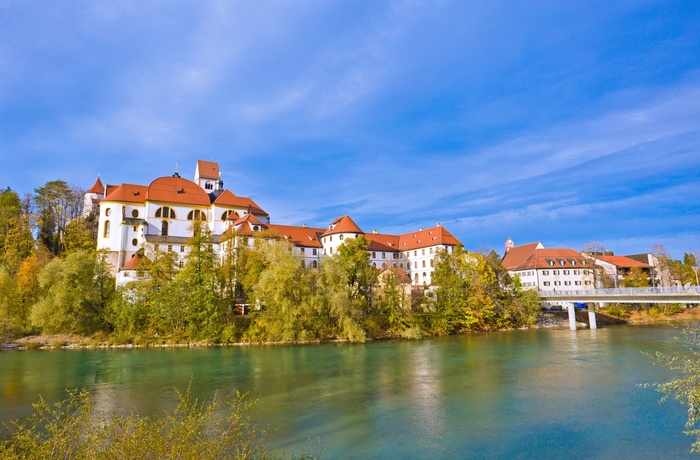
(558,122)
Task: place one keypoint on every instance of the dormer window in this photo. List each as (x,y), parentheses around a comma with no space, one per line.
(341,237)
(256,228)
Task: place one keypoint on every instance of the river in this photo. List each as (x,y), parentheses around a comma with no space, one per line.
(515,394)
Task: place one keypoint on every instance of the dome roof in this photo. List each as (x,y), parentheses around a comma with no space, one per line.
(177,190)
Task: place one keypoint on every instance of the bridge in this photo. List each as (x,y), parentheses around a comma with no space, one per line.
(672,294)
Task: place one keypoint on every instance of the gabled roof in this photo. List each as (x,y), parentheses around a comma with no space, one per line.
(207,170)
(97,187)
(227,198)
(177,190)
(518,254)
(299,236)
(129,193)
(623,262)
(427,237)
(541,258)
(133,263)
(343,225)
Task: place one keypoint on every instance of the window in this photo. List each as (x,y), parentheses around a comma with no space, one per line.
(415,264)
(134,242)
(314,264)
(341,237)
(383,255)
(164,228)
(416,277)
(196,215)
(136,228)
(557,283)
(108,212)
(577,272)
(415,253)
(422,252)
(208,186)
(588,283)
(556,272)
(170,248)
(182,249)
(330,238)
(401,265)
(165,212)
(431,250)
(315,251)
(546,283)
(577,283)
(432,263)
(134,213)
(374,255)
(567,283)
(181,264)
(374,264)
(545,272)
(424,264)
(226,214)
(106,232)
(567,272)
(301,250)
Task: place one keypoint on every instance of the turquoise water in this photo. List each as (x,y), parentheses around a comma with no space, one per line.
(518,394)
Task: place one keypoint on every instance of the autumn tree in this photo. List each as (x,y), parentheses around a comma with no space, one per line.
(636,278)
(55,205)
(16,240)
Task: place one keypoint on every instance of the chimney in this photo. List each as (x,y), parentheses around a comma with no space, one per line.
(375,231)
(304,225)
(438,224)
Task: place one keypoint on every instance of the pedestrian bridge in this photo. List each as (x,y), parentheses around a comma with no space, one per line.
(673,294)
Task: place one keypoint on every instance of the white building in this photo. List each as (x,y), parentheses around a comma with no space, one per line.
(560,269)
(132,217)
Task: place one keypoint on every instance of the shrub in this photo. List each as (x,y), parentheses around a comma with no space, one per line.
(617,311)
(193,430)
(672,309)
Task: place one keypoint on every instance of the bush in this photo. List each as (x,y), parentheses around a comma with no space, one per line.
(617,311)
(193,430)
(672,309)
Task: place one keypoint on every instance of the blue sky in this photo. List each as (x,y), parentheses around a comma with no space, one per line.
(563,122)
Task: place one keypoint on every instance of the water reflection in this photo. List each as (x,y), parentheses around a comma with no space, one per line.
(503,395)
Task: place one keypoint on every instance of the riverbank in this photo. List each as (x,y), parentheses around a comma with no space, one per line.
(545,320)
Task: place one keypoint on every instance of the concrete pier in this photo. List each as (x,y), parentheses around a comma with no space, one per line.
(572,316)
(591,316)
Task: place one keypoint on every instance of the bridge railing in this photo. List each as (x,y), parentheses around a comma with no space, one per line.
(624,291)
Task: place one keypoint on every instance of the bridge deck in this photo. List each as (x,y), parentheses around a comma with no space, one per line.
(673,294)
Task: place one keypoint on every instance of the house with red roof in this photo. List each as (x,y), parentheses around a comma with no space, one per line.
(619,267)
(548,269)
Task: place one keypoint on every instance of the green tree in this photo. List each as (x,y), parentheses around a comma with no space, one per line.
(16,240)
(462,295)
(636,278)
(56,204)
(361,277)
(74,293)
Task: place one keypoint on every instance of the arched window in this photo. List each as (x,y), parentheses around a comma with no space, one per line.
(415,264)
(196,215)
(424,264)
(165,212)
(106,233)
(164,228)
(228,213)
(314,264)
(416,277)
(135,213)
(432,262)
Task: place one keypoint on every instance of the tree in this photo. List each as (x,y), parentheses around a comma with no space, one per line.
(74,293)
(685,388)
(56,204)
(354,260)
(636,278)
(595,248)
(462,297)
(16,240)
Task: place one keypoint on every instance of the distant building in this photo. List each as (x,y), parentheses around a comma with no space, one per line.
(544,269)
(618,267)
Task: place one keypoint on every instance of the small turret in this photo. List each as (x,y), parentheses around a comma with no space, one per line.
(509,244)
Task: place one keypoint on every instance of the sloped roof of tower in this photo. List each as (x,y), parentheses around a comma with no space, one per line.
(177,190)
(249,218)
(129,193)
(299,236)
(343,225)
(97,187)
(208,169)
(518,254)
(428,237)
(227,198)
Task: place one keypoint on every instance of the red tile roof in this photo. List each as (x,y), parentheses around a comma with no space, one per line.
(428,237)
(227,198)
(343,225)
(533,257)
(518,254)
(298,236)
(129,193)
(383,242)
(97,187)
(177,190)
(623,262)
(208,169)
(133,263)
